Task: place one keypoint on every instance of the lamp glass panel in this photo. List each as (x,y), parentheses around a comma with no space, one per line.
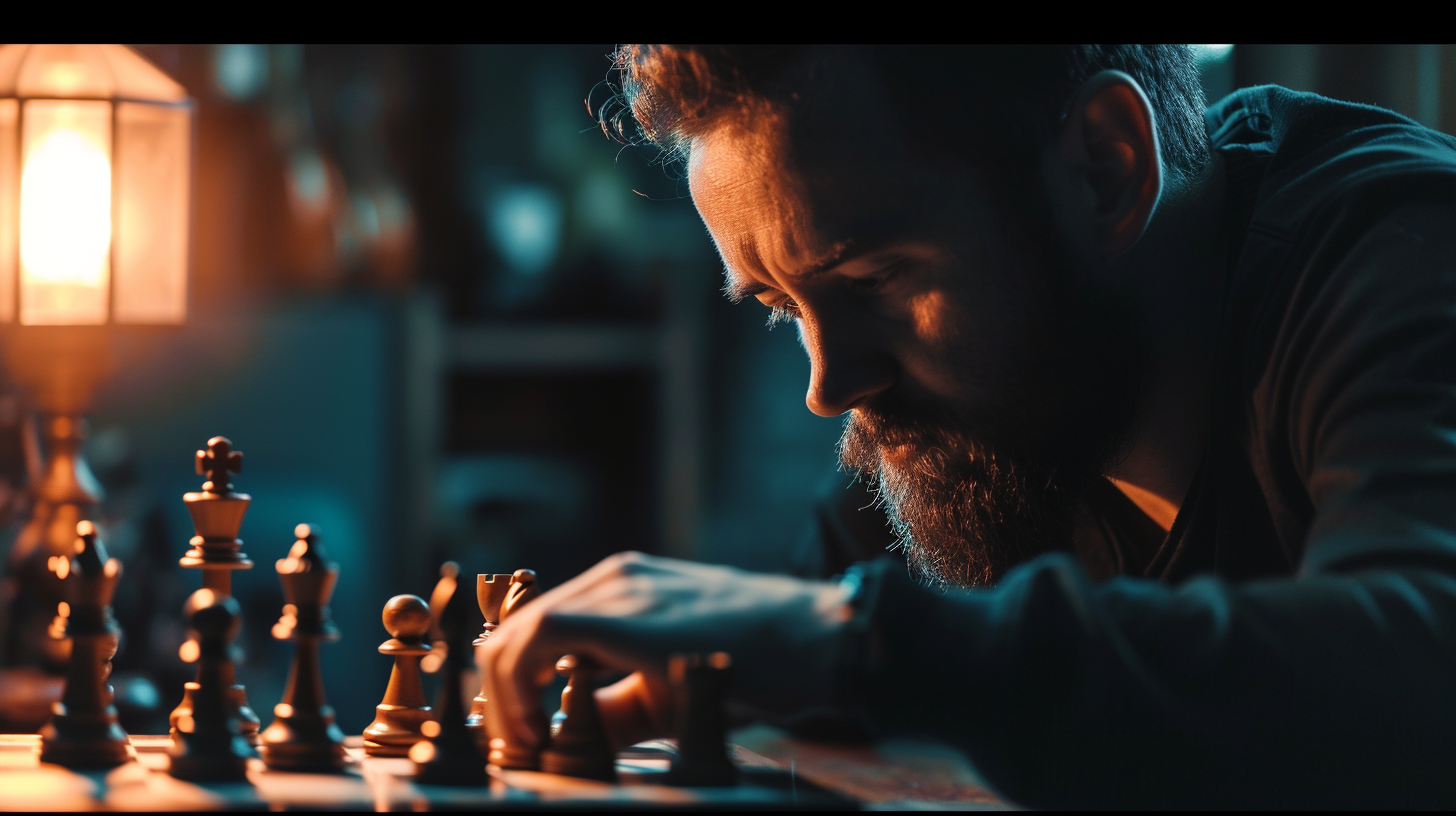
(9,191)
(153,177)
(58,69)
(65,212)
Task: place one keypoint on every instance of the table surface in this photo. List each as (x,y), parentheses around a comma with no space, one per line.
(891,775)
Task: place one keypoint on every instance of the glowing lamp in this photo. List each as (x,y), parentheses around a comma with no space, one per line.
(95,205)
(95,175)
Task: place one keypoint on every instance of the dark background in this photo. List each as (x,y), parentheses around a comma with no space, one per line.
(445,318)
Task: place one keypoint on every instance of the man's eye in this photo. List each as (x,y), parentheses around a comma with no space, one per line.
(881,278)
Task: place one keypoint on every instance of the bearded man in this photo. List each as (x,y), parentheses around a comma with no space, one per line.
(1162,401)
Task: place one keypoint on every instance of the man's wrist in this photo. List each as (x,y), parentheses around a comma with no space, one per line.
(856,651)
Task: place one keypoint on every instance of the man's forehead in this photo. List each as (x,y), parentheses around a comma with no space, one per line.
(754,203)
(785,190)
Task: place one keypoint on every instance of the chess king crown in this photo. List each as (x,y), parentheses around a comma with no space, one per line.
(217,511)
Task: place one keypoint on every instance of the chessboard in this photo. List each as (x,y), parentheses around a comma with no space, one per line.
(384,784)
(458,753)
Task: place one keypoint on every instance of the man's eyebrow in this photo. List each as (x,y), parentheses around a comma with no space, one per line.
(737,287)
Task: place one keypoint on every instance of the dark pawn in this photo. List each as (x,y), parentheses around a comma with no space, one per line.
(504,751)
(700,687)
(490,593)
(450,756)
(579,746)
(209,745)
(83,732)
(398,719)
(303,736)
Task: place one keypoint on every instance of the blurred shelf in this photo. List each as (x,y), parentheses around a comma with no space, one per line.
(507,346)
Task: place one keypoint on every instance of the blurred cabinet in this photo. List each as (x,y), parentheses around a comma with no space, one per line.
(551,444)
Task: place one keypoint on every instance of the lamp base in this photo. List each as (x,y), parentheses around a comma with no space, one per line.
(60,368)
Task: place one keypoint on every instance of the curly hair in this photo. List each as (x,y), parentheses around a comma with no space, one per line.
(945,98)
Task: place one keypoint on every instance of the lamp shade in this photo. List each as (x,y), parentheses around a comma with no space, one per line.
(95,187)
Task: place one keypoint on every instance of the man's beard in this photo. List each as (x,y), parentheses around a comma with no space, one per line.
(971,495)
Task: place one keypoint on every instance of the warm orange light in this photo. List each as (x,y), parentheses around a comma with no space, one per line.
(65,212)
(95,187)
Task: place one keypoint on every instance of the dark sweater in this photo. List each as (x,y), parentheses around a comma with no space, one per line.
(1293,640)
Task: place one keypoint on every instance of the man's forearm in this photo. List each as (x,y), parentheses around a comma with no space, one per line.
(1329,688)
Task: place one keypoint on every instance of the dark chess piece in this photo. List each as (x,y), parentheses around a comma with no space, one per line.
(398,720)
(83,731)
(504,751)
(490,593)
(579,746)
(700,688)
(450,755)
(303,736)
(209,745)
(439,596)
(217,514)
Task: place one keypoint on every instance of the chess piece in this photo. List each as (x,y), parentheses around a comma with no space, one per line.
(523,589)
(579,746)
(83,731)
(209,745)
(700,688)
(490,592)
(449,755)
(505,752)
(439,596)
(399,718)
(303,736)
(217,514)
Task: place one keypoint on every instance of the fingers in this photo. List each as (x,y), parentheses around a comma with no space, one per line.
(520,656)
(634,709)
(599,613)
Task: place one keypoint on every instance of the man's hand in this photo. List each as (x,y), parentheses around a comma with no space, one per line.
(632,611)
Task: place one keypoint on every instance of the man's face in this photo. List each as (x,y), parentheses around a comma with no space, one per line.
(978,364)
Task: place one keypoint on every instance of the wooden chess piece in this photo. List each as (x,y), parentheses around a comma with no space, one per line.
(579,745)
(522,590)
(449,756)
(399,718)
(700,688)
(505,752)
(490,592)
(217,514)
(303,736)
(209,745)
(83,730)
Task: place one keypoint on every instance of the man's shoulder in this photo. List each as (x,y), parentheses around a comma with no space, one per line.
(1303,160)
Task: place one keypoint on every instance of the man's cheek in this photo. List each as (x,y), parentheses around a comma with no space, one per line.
(928,313)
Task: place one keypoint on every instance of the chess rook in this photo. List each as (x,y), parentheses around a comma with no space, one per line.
(400,717)
(217,514)
(83,731)
(579,746)
(700,690)
(209,745)
(490,593)
(505,752)
(303,736)
(449,756)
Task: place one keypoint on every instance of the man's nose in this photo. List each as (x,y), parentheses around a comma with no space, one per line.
(847,366)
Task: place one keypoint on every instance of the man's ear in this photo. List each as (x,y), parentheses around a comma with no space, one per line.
(1109,145)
